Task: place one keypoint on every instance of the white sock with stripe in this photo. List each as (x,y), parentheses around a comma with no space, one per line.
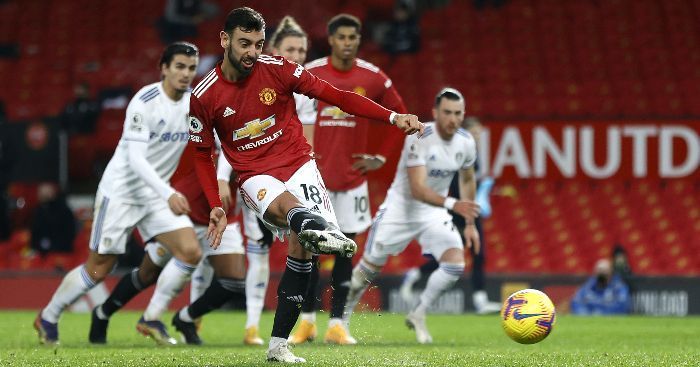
(439,281)
(256,281)
(362,277)
(170,283)
(201,279)
(74,285)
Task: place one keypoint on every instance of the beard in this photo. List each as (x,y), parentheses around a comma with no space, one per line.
(237,64)
(178,89)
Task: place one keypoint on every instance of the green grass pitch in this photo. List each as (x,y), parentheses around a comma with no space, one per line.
(460,340)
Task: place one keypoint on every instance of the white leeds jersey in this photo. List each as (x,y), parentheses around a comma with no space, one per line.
(154,118)
(442,160)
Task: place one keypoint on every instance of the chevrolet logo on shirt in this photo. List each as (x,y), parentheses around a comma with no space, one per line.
(334,112)
(254,129)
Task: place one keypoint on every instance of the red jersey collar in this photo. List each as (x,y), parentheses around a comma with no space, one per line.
(341,72)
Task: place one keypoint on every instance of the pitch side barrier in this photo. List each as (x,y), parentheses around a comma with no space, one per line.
(659,296)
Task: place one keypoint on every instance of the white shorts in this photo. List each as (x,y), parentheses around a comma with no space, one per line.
(390,235)
(306,184)
(115,220)
(352,207)
(231,243)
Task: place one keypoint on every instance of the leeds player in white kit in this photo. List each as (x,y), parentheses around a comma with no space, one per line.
(134,191)
(416,208)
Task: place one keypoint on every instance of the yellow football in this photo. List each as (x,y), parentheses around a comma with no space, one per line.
(528,316)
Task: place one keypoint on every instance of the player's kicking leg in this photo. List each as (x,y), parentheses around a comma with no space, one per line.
(128,287)
(352,218)
(280,205)
(184,246)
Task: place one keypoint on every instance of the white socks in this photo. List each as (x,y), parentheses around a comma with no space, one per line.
(275,341)
(412,276)
(362,277)
(309,316)
(256,281)
(439,281)
(170,283)
(201,279)
(74,285)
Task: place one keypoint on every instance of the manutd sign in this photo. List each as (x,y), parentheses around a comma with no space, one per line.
(591,150)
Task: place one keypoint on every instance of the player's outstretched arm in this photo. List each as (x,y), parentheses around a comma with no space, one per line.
(409,124)
(358,105)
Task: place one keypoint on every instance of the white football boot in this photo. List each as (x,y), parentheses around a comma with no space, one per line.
(281,353)
(416,322)
(482,304)
(331,242)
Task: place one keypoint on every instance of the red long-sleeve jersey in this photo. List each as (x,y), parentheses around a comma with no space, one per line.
(256,120)
(337,134)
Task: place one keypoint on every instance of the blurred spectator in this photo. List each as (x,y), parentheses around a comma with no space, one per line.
(603,294)
(54,225)
(621,265)
(403,35)
(80,115)
(182,17)
(6,162)
(114,98)
(9,50)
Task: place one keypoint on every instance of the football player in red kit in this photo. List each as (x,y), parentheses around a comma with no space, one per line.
(248,99)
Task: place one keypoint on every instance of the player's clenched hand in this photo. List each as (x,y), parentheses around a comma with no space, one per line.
(367,162)
(178,204)
(467,209)
(471,235)
(217,226)
(225,194)
(409,124)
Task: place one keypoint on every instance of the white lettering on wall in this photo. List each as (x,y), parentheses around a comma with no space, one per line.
(511,152)
(639,136)
(570,160)
(484,148)
(587,153)
(564,157)
(692,159)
